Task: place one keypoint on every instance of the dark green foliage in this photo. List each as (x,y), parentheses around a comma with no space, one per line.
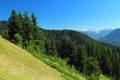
(75,36)
(34,20)
(3,25)
(3,29)
(87,55)
(66,48)
(91,66)
(50,47)
(24,32)
(14,25)
(17,39)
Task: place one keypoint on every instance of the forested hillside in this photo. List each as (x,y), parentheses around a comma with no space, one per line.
(85,54)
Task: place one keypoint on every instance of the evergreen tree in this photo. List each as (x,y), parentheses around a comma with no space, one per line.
(26,28)
(34,21)
(4,29)
(50,47)
(67,48)
(14,26)
(20,18)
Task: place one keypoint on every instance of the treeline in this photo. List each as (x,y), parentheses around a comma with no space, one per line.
(88,56)
(23,31)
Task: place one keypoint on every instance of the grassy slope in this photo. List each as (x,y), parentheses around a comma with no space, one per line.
(18,64)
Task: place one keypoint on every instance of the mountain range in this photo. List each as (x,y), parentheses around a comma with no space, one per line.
(112,38)
(109,36)
(96,34)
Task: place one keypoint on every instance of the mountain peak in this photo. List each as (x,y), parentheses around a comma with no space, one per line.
(96,33)
(91,30)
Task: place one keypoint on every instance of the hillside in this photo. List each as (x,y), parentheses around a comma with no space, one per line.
(112,38)
(18,64)
(85,53)
(75,36)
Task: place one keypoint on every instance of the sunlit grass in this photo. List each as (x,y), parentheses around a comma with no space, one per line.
(18,64)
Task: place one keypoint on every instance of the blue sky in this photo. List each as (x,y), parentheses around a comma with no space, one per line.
(67,14)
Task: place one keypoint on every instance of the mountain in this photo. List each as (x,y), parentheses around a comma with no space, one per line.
(112,38)
(18,64)
(75,36)
(96,34)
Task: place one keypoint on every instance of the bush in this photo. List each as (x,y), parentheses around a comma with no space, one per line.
(17,39)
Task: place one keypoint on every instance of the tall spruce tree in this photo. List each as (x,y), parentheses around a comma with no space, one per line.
(14,26)
(26,28)
(34,20)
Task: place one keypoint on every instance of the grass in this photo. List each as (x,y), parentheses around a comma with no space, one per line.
(18,64)
(69,73)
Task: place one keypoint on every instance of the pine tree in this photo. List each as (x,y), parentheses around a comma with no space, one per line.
(26,28)
(14,25)
(20,18)
(50,47)
(65,47)
(34,21)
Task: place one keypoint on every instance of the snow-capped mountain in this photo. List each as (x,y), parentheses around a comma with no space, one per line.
(96,34)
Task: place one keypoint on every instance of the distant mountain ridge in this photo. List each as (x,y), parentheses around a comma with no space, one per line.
(96,34)
(112,38)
